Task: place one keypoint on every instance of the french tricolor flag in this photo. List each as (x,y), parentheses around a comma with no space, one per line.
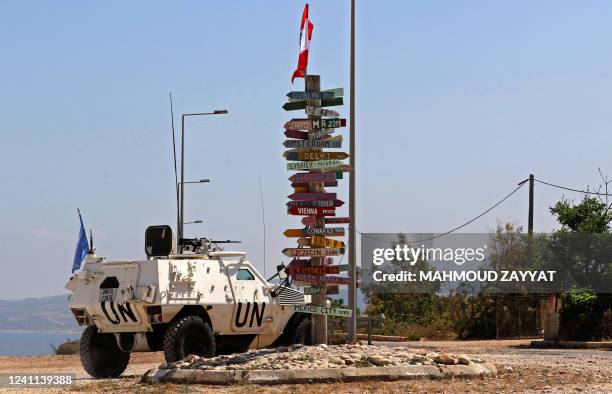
(305,36)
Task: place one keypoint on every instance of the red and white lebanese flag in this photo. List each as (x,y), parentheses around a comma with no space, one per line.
(305,36)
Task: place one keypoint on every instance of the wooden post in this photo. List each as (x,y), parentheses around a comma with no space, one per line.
(319,322)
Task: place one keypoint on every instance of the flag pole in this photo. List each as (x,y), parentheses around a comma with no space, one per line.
(352,296)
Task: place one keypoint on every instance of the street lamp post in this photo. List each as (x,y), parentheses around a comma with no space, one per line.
(182,205)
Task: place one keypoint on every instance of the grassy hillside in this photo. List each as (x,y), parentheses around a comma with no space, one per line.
(37,314)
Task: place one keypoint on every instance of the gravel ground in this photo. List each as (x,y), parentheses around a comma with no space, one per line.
(521,370)
(322,356)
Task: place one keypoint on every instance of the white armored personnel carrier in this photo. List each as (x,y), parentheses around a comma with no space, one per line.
(204,301)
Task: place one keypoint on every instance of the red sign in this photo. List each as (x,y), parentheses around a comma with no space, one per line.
(317,271)
(320,203)
(338,220)
(313,177)
(306,263)
(316,211)
(309,220)
(326,184)
(312,196)
(300,135)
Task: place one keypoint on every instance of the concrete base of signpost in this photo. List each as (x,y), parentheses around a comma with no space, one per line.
(325,375)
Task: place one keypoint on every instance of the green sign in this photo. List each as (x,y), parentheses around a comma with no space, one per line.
(294,105)
(324,94)
(321,310)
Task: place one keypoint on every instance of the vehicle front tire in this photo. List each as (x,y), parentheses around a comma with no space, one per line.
(100,355)
(302,333)
(188,335)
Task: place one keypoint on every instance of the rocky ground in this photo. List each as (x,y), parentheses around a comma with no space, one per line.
(521,370)
(322,356)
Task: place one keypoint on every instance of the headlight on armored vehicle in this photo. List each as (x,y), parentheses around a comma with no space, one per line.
(155,313)
(81,316)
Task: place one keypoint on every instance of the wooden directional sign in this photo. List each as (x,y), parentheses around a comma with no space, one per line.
(315,124)
(342,168)
(309,220)
(314,156)
(338,220)
(329,143)
(321,111)
(313,165)
(312,196)
(315,211)
(316,240)
(337,280)
(322,310)
(293,105)
(306,184)
(301,189)
(324,94)
(300,135)
(317,271)
(320,134)
(306,262)
(312,290)
(321,203)
(313,177)
(327,231)
(319,252)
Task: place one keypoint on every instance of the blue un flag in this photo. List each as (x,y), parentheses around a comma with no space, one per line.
(82,248)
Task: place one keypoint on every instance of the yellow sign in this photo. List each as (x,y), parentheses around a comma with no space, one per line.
(316,240)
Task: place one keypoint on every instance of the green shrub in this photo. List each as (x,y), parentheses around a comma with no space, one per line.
(68,347)
(586,315)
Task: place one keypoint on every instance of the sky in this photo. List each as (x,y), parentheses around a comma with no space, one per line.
(456,102)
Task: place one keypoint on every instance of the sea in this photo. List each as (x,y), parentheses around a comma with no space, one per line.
(32,343)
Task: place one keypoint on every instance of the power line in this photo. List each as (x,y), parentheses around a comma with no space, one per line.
(461,226)
(573,190)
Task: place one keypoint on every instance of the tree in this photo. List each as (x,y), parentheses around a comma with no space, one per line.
(592,215)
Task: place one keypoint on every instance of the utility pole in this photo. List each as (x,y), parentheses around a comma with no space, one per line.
(530,219)
(352,291)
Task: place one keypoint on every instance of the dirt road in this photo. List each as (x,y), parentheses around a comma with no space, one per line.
(521,370)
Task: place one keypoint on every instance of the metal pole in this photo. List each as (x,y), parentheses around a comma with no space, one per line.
(182,177)
(530,219)
(352,294)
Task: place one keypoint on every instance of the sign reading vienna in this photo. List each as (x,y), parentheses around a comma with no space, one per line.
(314,211)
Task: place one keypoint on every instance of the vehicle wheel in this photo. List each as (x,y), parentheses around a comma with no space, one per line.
(100,355)
(189,335)
(302,333)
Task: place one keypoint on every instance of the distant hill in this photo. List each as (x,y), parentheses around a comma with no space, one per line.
(52,313)
(37,314)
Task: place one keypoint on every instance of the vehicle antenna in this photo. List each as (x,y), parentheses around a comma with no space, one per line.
(263,219)
(175,169)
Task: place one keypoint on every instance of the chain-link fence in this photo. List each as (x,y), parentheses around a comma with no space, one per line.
(519,316)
